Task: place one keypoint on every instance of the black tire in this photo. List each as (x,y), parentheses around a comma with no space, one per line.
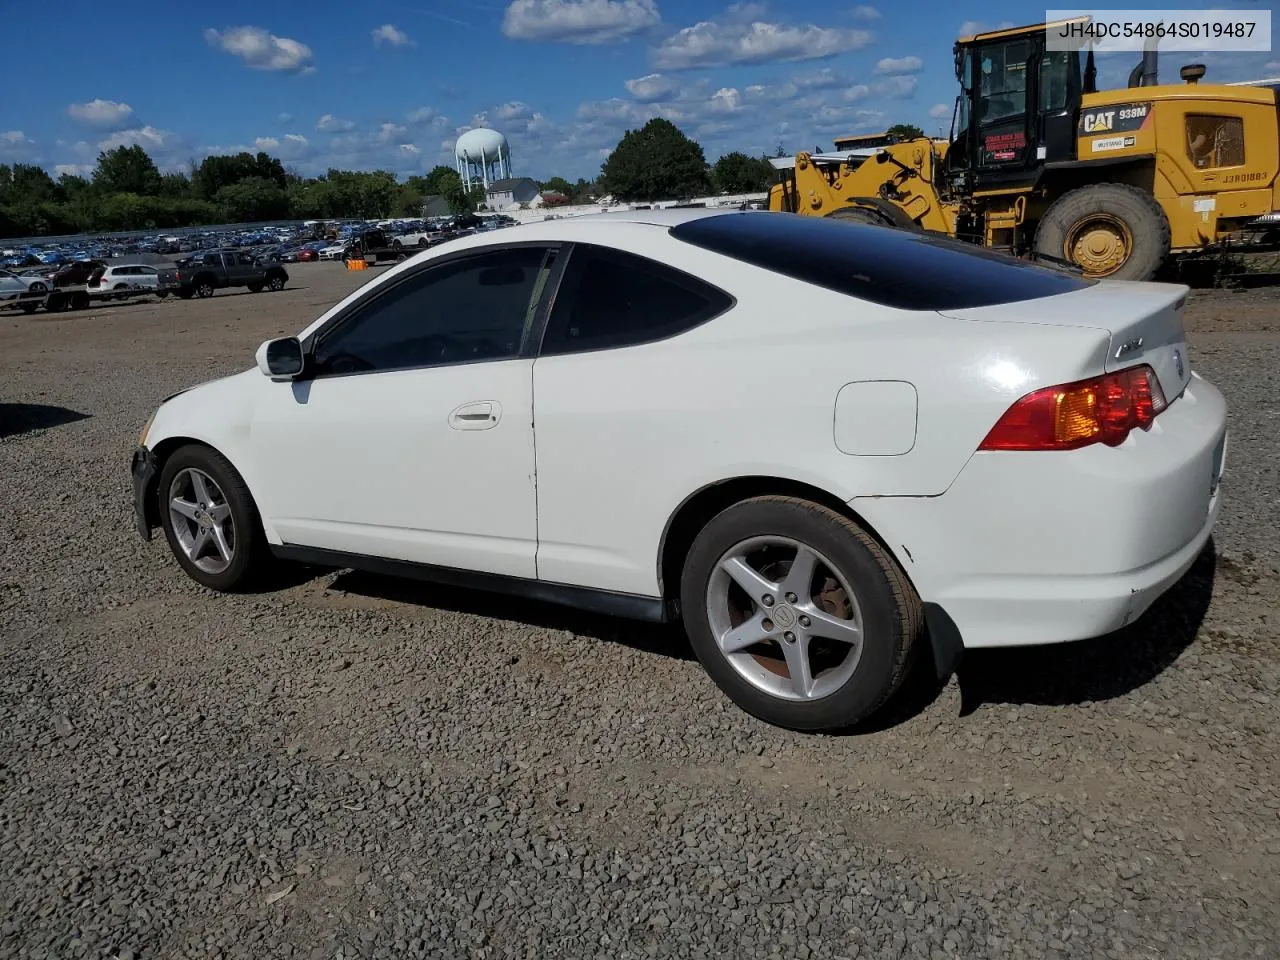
(186,293)
(860,215)
(251,557)
(1115,206)
(162,294)
(80,300)
(28,307)
(396,244)
(255,287)
(204,288)
(275,282)
(891,612)
(38,287)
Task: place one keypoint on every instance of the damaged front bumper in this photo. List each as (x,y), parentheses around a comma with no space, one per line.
(144,470)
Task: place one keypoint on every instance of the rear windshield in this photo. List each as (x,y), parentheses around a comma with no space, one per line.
(897,268)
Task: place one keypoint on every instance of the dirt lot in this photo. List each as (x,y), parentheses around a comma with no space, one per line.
(353,766)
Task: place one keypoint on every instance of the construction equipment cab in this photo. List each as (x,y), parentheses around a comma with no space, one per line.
(1041,162)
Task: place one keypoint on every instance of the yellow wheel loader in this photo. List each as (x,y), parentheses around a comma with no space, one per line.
(1040,163)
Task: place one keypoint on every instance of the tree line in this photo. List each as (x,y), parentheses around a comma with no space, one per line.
(127,191)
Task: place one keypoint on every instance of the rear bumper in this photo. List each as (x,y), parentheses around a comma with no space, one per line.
(1035,548)
(143,468)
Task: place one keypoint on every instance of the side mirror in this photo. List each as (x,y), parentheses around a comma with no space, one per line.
(280,359)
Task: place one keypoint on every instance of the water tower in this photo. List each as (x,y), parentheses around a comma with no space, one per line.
(483,157)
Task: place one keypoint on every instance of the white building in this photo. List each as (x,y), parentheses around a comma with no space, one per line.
(511,192)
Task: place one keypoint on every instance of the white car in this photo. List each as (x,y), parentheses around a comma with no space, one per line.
(334,251)
(817,443)
(13,285)
(127,276)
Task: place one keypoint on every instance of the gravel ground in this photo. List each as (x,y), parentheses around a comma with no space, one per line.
(356,767)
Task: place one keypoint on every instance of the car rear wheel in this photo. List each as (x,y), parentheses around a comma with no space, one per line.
(797,614)
(255,288)
(204,289)
(210,520)
(275,284)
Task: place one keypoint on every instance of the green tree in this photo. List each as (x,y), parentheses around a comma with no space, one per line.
(559,185)
(175,186)
(905,131)
(252,199)
(127,170)
(738,173)
(656,162)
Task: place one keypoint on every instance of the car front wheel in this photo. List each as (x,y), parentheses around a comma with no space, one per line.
(210,520)
(797,614)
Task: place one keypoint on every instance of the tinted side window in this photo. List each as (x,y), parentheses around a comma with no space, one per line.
(472,309)
(613,299)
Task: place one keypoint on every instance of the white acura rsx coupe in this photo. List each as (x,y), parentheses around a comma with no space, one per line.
(819,444)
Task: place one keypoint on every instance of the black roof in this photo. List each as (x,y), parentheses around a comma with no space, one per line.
(911,270)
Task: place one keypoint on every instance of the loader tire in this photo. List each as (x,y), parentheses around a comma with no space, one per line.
(859,215)
(875,211)
(1112,231)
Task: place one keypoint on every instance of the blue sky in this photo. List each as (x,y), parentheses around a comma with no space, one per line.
(390,85)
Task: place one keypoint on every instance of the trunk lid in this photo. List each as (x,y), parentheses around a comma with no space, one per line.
(1143,322)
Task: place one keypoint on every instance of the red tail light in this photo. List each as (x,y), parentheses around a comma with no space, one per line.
(1102,410)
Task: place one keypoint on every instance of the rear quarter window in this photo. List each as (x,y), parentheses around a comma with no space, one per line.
(889,266)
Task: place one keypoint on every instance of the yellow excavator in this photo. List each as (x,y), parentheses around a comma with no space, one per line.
(1041,163)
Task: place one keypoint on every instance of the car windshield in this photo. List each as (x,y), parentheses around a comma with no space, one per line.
(902,268)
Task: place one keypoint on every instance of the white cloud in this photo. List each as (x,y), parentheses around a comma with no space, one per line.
(578,21)
(149,138)
(726,100)
(859,92)
(896,88)
(1273,66)
(73,169)
(714,44)
(970,27)
(292,146)
(746,12)
(284,118)
(824,79)
(15,145)
(890,65)
(262,50)
(390,133)
(513,110)
(866,13)
(168,149)
(651,87)
(391,36)
(102,113)
(331,124)
(941,111)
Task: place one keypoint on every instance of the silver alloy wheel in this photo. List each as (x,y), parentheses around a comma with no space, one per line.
(785,618)
(202,520)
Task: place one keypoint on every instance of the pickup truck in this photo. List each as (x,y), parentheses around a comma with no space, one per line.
(206,272)
(373,247)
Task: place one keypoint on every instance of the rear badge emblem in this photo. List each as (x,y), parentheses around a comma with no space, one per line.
(1177,362)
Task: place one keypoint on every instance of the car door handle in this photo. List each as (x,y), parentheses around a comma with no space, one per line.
(478,415)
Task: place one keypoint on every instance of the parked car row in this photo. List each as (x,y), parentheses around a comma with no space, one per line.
(78,285)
